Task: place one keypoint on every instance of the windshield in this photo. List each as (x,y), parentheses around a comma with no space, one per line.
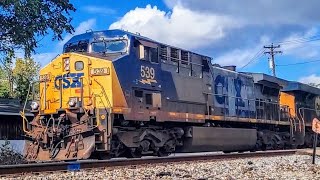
(77,47)
(113,46)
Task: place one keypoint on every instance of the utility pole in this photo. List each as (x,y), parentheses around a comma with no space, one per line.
(272,52)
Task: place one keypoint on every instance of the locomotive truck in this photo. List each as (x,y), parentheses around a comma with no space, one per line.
(118,94)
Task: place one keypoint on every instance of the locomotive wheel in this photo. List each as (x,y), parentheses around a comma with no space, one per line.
(167,149)
(133,153)
(163,153)
(104,156)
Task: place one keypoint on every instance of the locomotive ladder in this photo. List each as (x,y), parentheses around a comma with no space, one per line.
(297,130)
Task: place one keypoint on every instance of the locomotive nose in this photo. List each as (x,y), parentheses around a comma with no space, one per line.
(64,83)
(70,83)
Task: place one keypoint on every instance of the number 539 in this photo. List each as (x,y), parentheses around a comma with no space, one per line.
(147,72)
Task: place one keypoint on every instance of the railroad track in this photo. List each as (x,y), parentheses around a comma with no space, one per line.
(8,170)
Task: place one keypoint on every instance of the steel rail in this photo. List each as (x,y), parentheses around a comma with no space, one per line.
(89,164)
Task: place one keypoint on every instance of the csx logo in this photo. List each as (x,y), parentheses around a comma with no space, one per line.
(71,80)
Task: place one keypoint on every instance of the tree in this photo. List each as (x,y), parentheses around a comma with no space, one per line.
(10,156)
(25,72)
(4,84)
(24,22)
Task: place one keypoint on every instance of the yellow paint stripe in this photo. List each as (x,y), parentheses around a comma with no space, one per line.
(191,116)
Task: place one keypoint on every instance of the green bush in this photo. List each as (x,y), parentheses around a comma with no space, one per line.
(9,156)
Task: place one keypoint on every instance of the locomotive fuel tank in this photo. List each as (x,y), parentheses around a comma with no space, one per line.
(202,139)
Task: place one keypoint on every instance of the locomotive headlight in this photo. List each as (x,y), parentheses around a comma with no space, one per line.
(72,103)
(66,63)
(34,105)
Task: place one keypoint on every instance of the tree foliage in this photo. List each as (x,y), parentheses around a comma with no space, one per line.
(22,25)
(8,155)
(4,84)
(25,72)
(22,74)
(23,22)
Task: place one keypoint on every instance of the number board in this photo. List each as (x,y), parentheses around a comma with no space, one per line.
(44,78)
(100,71)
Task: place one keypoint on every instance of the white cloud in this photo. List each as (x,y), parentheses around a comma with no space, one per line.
(99,10)
(237,57)
(180,27)
(213,27)
(313,78)
(241,57)
(81,28)
(293,44)
(258,11)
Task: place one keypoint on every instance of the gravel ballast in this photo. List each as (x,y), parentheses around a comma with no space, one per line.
(280,167)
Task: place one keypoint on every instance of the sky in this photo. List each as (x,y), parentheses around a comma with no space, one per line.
(230,32)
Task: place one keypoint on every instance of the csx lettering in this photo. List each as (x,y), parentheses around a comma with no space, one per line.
(71,80)
(147,72)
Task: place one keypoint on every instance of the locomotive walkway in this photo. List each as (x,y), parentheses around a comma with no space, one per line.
(10,170)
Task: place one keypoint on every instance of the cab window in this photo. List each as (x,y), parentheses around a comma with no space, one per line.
(147,51)
(81,46)
(110,46)
(151,54)
(79,65)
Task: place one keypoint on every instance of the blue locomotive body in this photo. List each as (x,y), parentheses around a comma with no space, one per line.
(150,97)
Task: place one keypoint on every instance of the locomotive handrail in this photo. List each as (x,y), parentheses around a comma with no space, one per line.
(60,92)
(308,109)
(104,92)
(45,95)
(81,95)
(24,119)
(302,117)
(55,58)
(304,108)
(179,60)
(277,113)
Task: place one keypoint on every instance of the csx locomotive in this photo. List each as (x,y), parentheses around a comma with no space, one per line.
(118,94)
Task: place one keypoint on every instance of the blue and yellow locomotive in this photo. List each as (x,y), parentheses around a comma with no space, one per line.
(114,93)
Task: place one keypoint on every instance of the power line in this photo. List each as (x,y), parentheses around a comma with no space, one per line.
(306,62)
(256,56)
(272,52)
(300,40)
(292,41)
